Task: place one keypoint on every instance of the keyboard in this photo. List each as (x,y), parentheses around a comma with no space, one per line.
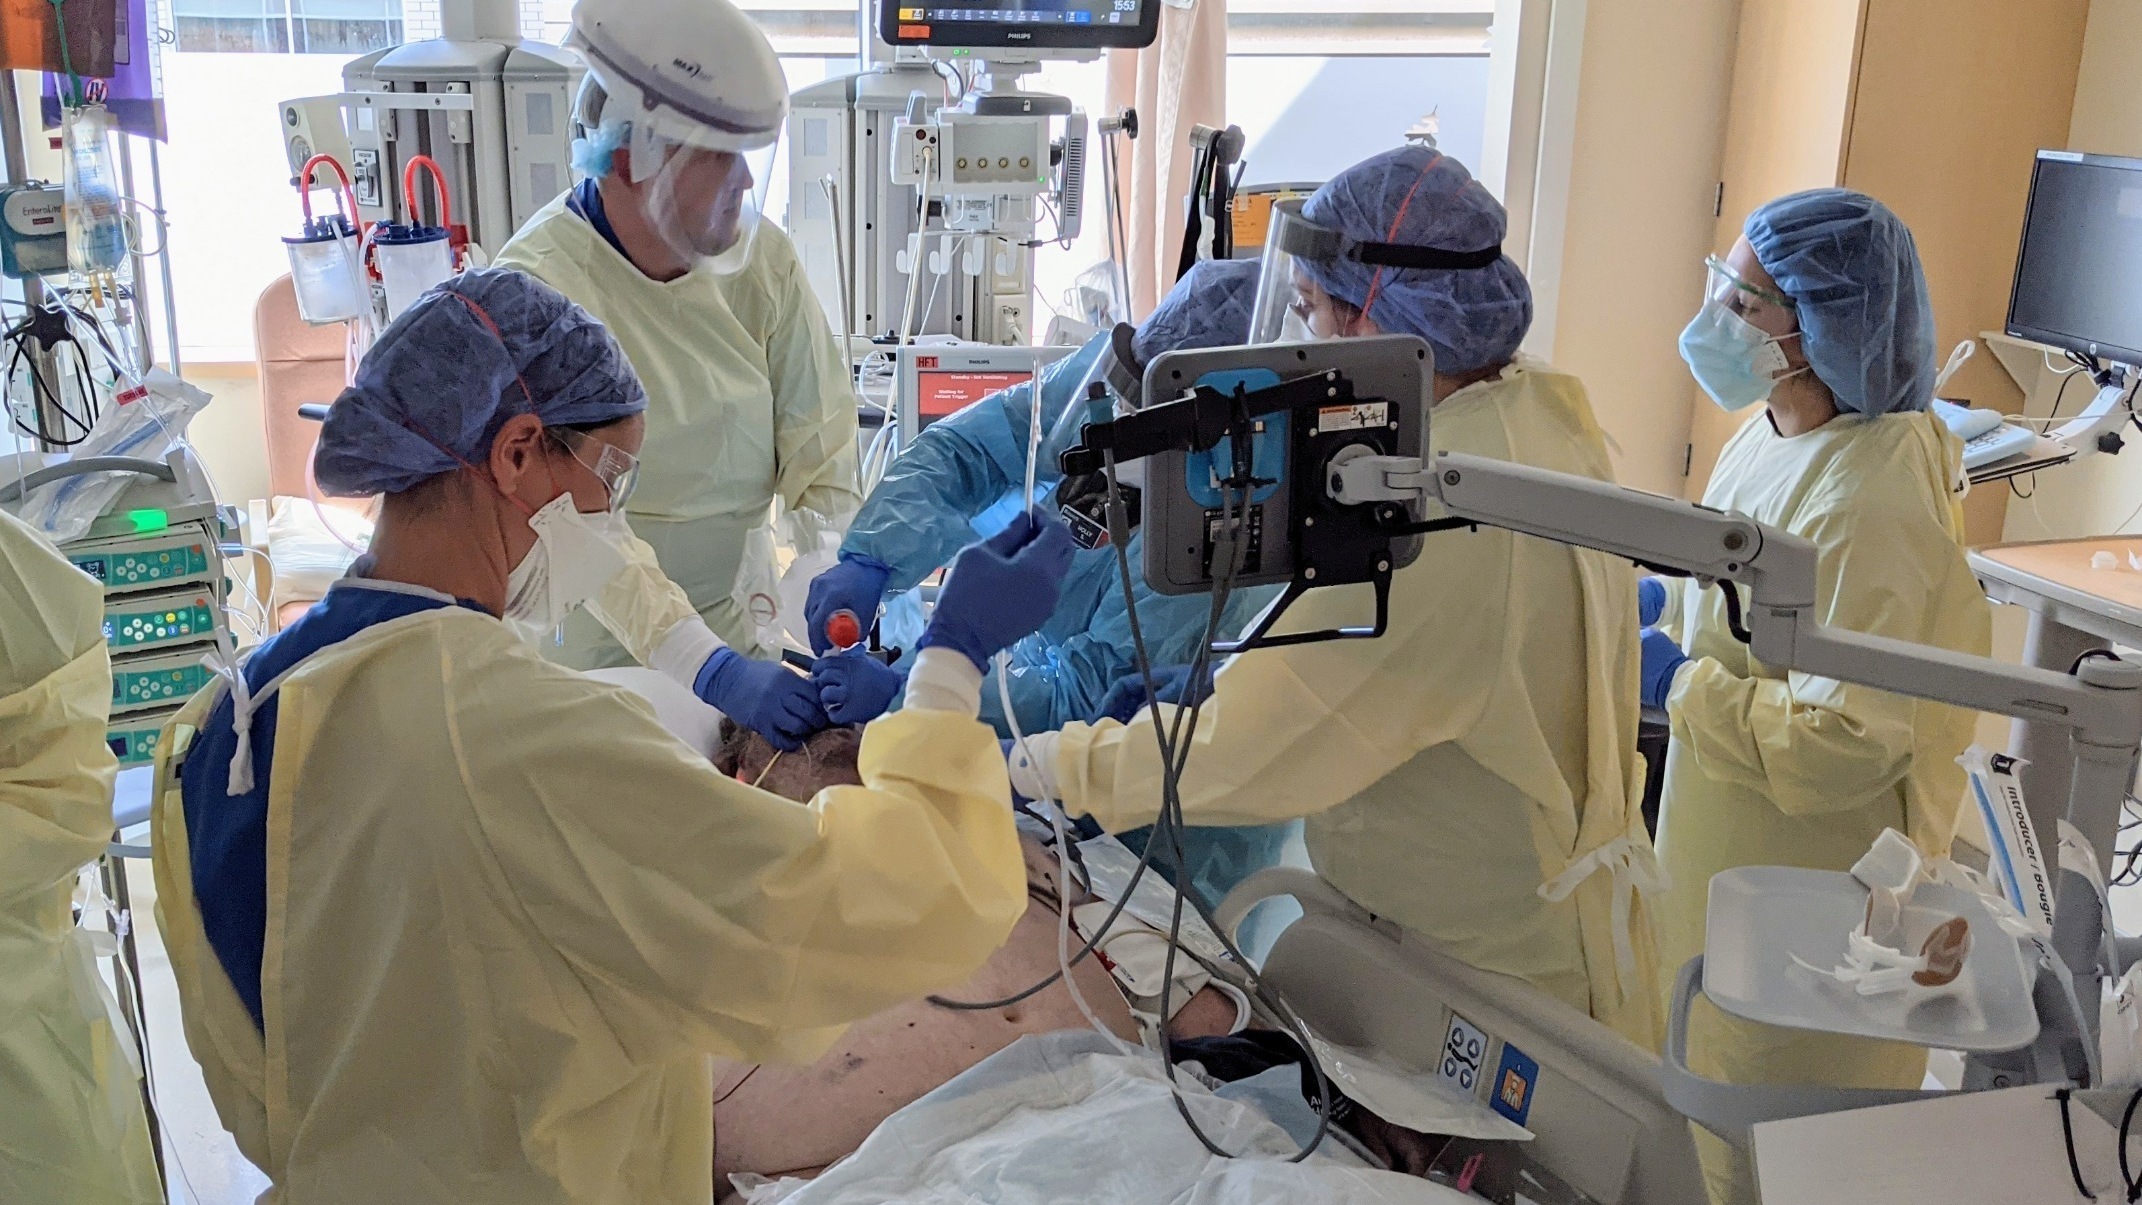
(2000,443)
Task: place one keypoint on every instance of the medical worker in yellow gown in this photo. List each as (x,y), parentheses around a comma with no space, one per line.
(749,397)
(1821,311)
(1471,775)
(455,924)
(72,1129)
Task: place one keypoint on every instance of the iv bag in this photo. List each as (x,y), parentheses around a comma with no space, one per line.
(96,231)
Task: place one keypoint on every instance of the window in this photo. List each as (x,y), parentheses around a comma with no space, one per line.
(287,26)
(827,28)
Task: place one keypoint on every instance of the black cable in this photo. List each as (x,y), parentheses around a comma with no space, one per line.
(941,67)
(2075,667)
(2083,370)
(724,1097)
(1174,741)
(49,330)
(2127,1121)
(2129,874)
(1228,553)
(2067,1131)
(1735,621)
(2017,490)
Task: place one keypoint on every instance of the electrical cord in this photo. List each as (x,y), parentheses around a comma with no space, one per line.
(1175,745)
(2127,1121)
(1735,622)
(53,334)
(2067,1131)
(2061,394)
(1168,826)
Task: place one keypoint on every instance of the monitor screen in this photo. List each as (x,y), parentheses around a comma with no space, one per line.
(2078,279)
(984,24)
(941,393)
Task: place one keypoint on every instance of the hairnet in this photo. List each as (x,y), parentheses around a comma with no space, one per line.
(1852,271)
(481,348)
(1208,307)
(595,152)
(1418,195)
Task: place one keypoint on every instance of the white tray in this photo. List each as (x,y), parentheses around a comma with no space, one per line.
(1762,915)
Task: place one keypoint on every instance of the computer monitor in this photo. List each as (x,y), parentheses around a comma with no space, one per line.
(2078,282)
(938,381)
(1020,24)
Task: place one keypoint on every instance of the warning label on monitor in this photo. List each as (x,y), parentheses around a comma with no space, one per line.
(1357,417)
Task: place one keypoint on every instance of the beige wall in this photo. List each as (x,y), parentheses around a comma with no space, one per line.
(228,433)
(1792,87)
(1650,128)
(1953,158)
(2100,494)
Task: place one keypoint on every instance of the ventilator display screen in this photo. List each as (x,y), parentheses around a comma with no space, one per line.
(940,394)
(987,24)
(2078,279)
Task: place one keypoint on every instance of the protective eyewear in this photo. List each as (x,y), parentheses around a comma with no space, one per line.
(1291,238)
(1725,283)
(617,469)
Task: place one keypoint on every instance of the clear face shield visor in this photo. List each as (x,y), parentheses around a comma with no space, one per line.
(704,187)
(706,204)
(1276,315)
(1287,298)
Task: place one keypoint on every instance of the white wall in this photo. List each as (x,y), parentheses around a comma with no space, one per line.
(1637,219)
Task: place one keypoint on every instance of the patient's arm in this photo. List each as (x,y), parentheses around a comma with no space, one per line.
(784,1119)
(774,1119)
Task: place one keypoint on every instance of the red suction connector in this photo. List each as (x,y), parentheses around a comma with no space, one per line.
(843,629)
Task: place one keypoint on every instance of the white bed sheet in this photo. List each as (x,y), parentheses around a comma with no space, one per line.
(1064,1117)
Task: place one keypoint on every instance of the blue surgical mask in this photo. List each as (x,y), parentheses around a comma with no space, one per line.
(1736,363)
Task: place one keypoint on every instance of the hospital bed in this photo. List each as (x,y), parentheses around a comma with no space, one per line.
(1592,1099)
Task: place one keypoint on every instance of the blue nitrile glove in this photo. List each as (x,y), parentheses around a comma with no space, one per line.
(1650,601)
(856,583)
(764,696)
(1662,657)
(1171,683)
(1001,589)
(855,687)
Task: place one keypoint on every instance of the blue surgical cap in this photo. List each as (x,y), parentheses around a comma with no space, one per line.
(1209,307)
(1852,271)
(1473,318)
(486,346)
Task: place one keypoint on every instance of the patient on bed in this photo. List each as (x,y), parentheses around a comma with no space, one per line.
(777,1120)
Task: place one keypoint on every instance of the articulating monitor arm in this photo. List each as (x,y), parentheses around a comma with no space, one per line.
(2100,703)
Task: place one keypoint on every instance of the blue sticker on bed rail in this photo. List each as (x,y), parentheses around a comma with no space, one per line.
(1516,1077)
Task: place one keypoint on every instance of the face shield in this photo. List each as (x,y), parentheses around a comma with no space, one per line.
(1275,316)
(701,150)
(706,204)
(1291,305)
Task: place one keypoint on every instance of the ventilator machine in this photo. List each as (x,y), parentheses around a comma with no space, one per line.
(916,203)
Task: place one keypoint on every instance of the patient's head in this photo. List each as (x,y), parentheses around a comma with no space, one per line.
(826,760)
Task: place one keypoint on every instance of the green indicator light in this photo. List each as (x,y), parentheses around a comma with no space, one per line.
(148,521)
